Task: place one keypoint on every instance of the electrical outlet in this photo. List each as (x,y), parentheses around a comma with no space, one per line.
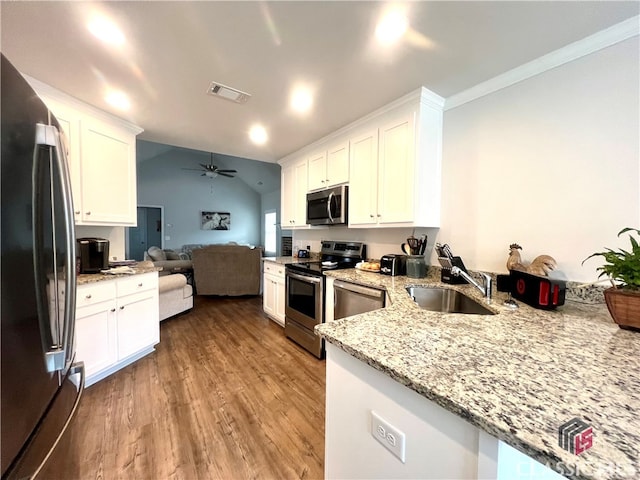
(388,435)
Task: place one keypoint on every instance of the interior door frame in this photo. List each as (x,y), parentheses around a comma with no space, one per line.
(126,230)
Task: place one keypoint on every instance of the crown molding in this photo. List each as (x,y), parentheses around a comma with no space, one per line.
(603,39)
(53,93)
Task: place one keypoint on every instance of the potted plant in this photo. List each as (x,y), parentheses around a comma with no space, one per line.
(623,269)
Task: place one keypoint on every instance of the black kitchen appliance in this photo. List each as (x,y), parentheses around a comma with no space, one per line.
(93,254)
(305,287)
(41,384)
(539,292)
(393,264)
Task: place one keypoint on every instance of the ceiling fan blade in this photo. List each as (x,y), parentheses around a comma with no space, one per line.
(227,171)
(224,174)
(193,169)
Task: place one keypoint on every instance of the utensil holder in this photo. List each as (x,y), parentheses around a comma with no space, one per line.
(445,274)
(416,266)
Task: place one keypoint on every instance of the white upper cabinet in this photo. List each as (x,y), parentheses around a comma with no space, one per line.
(102,160)
(294,194)
(391,160)
(108,187)
(330,167)
(363,183)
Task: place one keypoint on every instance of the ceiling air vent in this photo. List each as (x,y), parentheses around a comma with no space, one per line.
(219,90)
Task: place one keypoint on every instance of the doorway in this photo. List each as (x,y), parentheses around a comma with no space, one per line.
(148,233)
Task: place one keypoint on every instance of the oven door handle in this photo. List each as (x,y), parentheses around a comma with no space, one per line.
(304,278)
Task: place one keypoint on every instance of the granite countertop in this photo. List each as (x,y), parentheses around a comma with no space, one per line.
(285,260)
(517,375)
(85,278)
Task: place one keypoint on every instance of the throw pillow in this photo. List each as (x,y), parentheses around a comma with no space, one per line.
(157,254)
(171,255)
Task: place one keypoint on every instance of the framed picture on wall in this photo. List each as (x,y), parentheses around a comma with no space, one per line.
(215,221)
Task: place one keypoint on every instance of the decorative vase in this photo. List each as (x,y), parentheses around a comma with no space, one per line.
(624,307)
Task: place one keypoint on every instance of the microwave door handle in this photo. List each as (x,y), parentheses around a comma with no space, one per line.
(329,206)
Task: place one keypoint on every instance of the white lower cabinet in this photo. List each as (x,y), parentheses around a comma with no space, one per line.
(117,322)
(273,296)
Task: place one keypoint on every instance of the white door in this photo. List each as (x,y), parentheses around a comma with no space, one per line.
(363,179)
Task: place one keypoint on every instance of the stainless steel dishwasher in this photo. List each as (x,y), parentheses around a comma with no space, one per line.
(351,299)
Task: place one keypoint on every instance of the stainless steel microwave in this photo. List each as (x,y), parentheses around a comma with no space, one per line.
(328,207)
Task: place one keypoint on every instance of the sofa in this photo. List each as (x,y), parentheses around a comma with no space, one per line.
(175,295)
(228,270)
(168,260)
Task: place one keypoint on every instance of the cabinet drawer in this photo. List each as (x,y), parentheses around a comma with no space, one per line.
(92,293)
(274,268)
(137,283)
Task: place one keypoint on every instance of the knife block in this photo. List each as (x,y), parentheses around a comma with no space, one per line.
(445,273)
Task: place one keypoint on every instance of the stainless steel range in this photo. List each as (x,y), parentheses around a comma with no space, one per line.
(305,287)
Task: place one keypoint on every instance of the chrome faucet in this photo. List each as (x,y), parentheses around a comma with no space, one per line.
(486,290)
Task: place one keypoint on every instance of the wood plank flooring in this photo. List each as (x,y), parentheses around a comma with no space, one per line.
(225,396)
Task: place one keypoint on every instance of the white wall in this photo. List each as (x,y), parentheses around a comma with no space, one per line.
(552,163)
(184,194)
(115,235)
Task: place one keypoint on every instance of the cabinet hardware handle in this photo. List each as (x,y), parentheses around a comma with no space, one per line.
(122,307)
(88,296)
(371,215)
(140,284)
(113,309)
(77,212)
(327,180)
(379,215)
(88,213)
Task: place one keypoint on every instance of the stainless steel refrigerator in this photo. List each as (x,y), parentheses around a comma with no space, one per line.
(41,386)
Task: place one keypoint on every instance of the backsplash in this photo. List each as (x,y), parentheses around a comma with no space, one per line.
(115,235)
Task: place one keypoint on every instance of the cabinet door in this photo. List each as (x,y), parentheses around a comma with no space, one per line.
(363,179)
(288,188)
(338,164)
(396,172)
(108,174)
(300,200)
(138,324)
(269,295)
(280,299)
(96,336)
(318,171)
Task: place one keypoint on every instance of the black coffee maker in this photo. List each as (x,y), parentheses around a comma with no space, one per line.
(92,254)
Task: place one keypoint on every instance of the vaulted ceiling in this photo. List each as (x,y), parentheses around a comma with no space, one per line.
(173,50)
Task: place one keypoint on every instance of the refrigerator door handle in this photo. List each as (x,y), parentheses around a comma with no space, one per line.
(60,355)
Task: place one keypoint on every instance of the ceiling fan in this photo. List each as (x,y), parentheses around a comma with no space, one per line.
(212,171)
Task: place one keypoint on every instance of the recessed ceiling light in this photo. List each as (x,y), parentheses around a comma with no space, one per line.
(258,134)
(118,99)
(391,27)
(301,99)
(106,30)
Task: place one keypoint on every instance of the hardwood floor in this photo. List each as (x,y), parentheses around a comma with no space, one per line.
(225,395)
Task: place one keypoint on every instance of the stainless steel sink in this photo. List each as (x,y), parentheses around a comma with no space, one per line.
(446,300)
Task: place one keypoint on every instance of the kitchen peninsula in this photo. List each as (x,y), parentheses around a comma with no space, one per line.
(117,320)
(463,388)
